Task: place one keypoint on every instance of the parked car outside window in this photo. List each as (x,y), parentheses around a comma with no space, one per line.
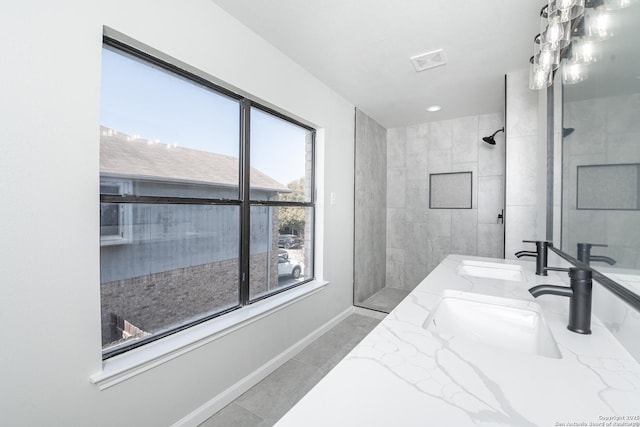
(289,241)
(287,267)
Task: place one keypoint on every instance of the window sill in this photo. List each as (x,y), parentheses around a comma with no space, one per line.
(120,368)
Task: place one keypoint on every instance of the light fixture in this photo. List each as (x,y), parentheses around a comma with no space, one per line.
(540,77)
(434,108)
(556,34)
(548,58)
(573,73)
(560,20)
(597,24)
(564,10)
(584,52)
(618,4)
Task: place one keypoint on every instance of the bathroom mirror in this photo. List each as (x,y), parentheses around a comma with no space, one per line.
(600,140)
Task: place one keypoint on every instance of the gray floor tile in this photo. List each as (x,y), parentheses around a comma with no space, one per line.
(326,348)
(326,351)
(361,323)
(267,401)
(233,415)
(277,393)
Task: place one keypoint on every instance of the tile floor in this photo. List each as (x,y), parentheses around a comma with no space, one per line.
(271,398)
(385,300)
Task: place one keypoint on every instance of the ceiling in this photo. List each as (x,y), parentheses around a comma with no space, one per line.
(361,49)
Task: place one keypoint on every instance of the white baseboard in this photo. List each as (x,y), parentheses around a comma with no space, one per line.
(202,413)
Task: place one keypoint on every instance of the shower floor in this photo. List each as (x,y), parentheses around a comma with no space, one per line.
(385,300)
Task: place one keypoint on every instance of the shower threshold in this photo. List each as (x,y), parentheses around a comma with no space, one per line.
(385,300)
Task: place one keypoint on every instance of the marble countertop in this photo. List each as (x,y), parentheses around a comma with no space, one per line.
(404,375)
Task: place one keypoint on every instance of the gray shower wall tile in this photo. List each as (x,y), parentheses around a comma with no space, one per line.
(396,148)
(623,226)
(431,234)
(585,226)
(623,148)
(589,124)
(416,272)
(490,199)
(465,140)
(417,132)
(520,224)
(523,105)
(571,174)
(491,158)
(440,161)
(464,231)
(396,226)
(441,135)
(417,200)
(417,158)
(521,176)
(395,277)
(396,187)
(489,123)
(370,213)
(490,240)
(416,234)
(622,114)
(438,248)
(473,168)
(439,223)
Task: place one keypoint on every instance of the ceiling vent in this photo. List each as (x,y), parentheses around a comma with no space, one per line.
(433,59)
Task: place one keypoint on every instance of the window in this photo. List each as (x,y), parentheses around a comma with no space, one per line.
(281,221)
(115,218)
(196,216)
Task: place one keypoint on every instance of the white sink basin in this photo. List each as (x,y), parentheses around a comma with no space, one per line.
(503,323)
(491,270)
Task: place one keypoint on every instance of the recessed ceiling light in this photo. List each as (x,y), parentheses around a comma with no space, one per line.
(434,108)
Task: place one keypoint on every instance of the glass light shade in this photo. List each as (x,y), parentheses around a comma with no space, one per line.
(555,32)
(565,4)
(547,58)
(584,52)
(539,77)
(557,10)
(557,35)
(597,25)
(618,4)
(573,73)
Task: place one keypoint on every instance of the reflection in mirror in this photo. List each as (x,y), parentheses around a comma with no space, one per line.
(601,154)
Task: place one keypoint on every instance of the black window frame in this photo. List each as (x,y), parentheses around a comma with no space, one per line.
(243,202)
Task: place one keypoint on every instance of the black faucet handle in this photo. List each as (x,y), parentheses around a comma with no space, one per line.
(569,269)
(593,245)
(566,270)
(537,241)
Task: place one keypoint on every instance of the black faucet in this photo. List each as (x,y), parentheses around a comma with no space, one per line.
(579,293)
(541,254)
(585,257)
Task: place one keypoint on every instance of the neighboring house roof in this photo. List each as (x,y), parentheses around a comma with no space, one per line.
(124,155)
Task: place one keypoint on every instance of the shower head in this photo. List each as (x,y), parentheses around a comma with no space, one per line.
(567,131)
(489,139)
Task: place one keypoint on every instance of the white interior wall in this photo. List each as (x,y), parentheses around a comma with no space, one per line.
(49,147)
